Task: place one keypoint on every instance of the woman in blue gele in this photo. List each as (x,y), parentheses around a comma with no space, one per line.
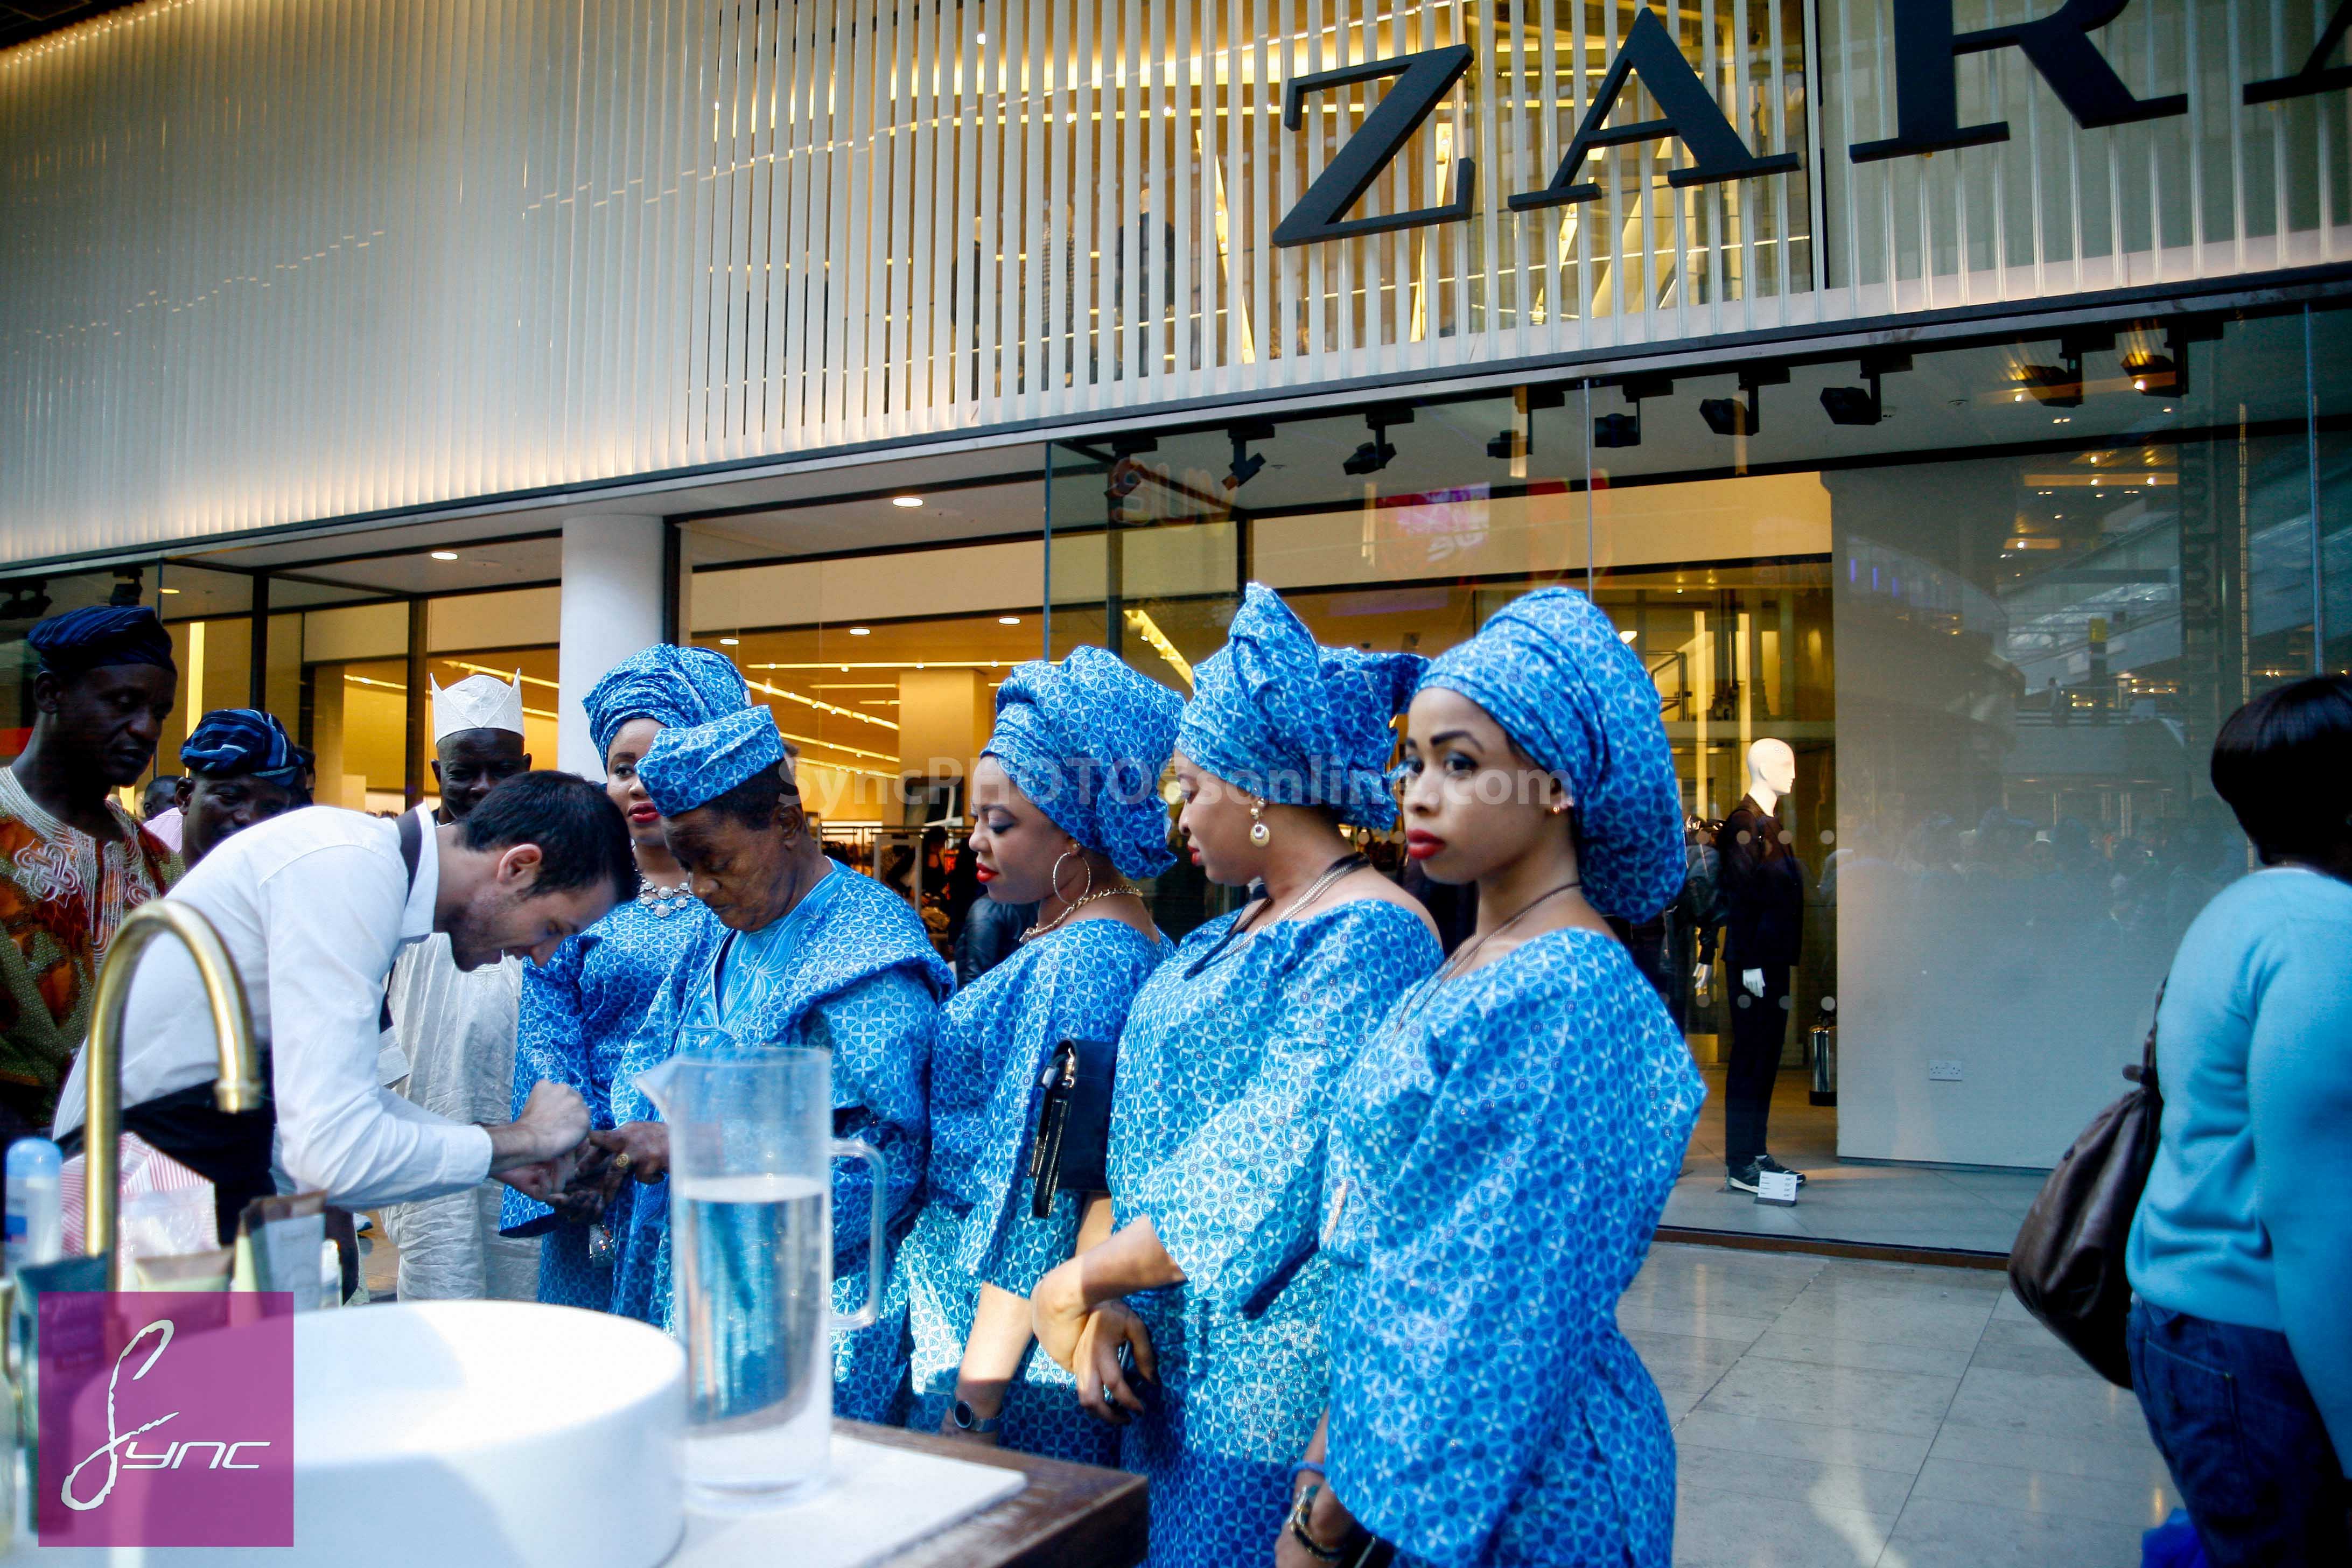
(580,1008)
(1506,1141)
(1067,808)
(804,953)
(1209,1288)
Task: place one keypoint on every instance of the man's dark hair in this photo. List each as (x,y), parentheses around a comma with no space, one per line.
(753,802)
(2283,762)
(581,837)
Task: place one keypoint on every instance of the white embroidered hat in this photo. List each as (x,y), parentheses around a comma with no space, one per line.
(476,702)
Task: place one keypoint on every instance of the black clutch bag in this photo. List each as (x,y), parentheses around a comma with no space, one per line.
(1072,1148)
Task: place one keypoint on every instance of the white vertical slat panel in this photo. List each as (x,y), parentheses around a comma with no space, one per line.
(624,235)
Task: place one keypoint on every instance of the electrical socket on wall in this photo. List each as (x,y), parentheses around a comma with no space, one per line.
(1943,1072)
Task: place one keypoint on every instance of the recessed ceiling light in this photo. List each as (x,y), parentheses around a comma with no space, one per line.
(445,555)
(1008,620)
(729,642)
(167,590)
(1627,637)
(861,631)
(905,501)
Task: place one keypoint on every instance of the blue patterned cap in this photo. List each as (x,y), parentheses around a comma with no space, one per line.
(84,639)
(243,741)
(1293,722)
(691,766)
(1086,740)
(675,687)
(1552,671)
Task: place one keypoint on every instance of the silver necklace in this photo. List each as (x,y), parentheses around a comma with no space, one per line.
(663,902)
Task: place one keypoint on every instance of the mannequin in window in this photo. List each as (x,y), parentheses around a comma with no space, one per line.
(1762,893)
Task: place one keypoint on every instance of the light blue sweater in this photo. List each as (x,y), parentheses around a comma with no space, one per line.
(2246,1220)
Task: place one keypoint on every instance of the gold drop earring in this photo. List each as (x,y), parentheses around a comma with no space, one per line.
(1260,834)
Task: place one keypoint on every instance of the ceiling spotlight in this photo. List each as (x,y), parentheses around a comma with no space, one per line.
(1730,416)
(861,631)
(1520,439)
(1008,620)
(2152,374)
(1625,429)
(1246,463)
(729,642)
(1862,405)
(2060,386)
(905,501)
(1375,454)
(445,555)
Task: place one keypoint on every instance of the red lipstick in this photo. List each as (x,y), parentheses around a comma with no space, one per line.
(984,875)
(1421,845)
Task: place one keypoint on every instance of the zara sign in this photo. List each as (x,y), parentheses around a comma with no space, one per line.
(1928,46)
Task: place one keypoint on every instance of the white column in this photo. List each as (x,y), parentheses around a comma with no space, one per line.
(612,607)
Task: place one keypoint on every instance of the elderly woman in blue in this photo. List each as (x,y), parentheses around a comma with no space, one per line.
(803,952)
(1506,1141)
(1226,1073)
(581,1007)
(1066,808)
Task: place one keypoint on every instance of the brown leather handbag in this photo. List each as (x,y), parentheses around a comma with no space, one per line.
(2067,1266)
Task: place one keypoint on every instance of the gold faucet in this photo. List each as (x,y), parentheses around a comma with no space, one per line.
(238,1087)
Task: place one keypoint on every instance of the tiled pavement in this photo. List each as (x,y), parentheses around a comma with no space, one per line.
(1852,1415)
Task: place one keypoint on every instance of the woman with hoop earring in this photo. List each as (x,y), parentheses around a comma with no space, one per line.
(1508,1137)
(1196,1324)
(1067,808)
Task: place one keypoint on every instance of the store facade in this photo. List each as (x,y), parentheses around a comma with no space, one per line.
(1965,409)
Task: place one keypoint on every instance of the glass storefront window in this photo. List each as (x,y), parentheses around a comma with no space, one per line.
(1995,599)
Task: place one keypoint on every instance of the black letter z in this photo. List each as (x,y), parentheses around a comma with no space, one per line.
(1424,78)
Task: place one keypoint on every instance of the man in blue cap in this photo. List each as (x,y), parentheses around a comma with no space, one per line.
(72,862)
(804,953)
(243,768)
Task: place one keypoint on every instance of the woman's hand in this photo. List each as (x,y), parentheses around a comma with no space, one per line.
(987,1401)
(640,1149)
(1328,1520)
(1058,1312)
(1105,1390)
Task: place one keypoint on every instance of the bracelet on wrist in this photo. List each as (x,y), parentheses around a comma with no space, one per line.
(1299,1512)
(1306,1467)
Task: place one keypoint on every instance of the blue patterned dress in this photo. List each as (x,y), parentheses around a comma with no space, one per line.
(850,969)
(1504,1148)
(1226,1075)
(974,1226)
(578,1010)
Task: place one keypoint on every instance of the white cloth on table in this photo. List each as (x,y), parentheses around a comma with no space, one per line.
(457,1030)
(312,907)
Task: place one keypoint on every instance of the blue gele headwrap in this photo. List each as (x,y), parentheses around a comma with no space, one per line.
(229,741)
(692,765)
(1552,671)
(85,639)
(1086,740)
(678,688)
(1296,723)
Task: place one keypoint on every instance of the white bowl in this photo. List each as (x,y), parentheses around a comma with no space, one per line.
(485,1435)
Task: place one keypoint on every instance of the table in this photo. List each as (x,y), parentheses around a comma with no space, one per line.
(1068,1516)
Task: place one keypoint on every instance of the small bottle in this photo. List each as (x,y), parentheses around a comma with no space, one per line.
(35,1232)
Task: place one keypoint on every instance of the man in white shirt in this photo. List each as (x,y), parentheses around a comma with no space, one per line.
(313,906)
(456,1028)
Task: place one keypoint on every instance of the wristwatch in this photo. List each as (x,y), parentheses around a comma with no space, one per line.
(969,1420)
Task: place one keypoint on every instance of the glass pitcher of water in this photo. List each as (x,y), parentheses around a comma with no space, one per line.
(750,1202)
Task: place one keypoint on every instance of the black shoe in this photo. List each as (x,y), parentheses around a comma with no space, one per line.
(1771,1167)
(1745,1178)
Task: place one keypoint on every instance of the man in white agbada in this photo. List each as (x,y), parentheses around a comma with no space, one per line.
(456,1029)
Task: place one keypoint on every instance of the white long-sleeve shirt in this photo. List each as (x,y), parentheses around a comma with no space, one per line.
(313,906)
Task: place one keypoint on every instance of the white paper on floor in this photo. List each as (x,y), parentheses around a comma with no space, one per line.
(878,1501)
